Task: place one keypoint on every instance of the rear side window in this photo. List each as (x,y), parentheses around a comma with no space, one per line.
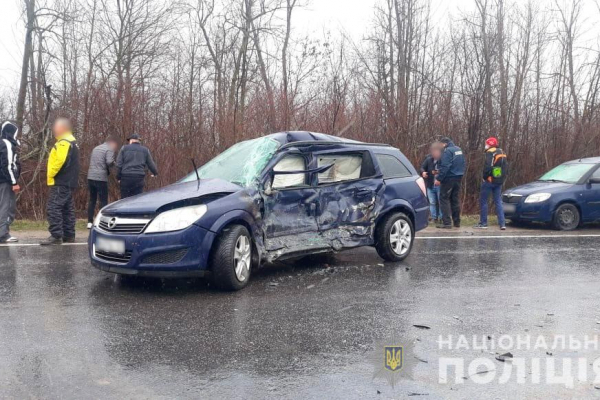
(289,163)
(391,167)
(346,167)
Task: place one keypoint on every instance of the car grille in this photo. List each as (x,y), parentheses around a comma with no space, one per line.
(113,257)
(165,257)
(122,225)
(513,199)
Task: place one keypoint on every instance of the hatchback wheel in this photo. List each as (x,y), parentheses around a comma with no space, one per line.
(566,217)
(231,258)
(394,237)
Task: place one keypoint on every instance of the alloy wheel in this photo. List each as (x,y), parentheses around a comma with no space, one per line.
(400,237)
(242,258)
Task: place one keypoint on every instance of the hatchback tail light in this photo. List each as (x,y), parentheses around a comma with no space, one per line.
(421,183)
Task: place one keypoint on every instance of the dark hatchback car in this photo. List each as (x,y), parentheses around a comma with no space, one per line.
(283,195)
(565,196)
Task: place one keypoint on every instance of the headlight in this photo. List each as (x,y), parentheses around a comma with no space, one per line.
(97,219)
(537,197)
(177,219)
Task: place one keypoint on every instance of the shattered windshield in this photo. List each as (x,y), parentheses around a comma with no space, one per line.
(240,164)
(568,173)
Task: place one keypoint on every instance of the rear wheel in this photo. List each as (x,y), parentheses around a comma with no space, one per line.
(566,217)
(231,259)
(394,237)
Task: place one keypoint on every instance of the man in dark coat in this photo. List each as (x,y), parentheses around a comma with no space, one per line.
(10,169)
(132,163)
(449,178)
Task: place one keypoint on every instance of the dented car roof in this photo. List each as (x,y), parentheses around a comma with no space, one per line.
(306,136)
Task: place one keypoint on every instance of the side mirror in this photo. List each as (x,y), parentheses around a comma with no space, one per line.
(594,180)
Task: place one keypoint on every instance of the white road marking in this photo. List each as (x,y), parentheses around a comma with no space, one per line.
(37,244)
(507,236)
(418,238)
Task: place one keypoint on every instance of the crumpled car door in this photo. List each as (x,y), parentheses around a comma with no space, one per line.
(289,209)
(347,203)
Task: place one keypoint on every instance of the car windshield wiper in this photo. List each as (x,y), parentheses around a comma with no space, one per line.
(552,180)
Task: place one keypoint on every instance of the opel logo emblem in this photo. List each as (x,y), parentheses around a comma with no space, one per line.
(112,223)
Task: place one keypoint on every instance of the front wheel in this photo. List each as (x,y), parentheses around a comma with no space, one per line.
(566,217)
(394,237)
(231,258)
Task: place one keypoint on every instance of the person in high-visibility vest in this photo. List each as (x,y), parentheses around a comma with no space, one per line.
(495,170)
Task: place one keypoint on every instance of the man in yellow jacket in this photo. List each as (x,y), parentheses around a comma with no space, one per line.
(63,177)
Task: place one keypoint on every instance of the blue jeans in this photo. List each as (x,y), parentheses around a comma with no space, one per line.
(433,194)
(496,191)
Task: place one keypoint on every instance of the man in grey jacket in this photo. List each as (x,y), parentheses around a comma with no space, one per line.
(103,157)
(132,163)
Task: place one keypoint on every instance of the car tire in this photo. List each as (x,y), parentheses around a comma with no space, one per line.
(394,237)
(566,217)
(231,258)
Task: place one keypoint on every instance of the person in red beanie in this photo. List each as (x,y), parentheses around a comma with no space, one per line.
(495,170)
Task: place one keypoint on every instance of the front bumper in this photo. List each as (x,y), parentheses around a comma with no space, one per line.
(536,212)
(171,254)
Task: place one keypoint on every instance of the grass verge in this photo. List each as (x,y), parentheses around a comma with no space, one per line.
(22,225)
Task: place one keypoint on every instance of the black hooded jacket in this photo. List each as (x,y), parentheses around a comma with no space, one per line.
(10,167)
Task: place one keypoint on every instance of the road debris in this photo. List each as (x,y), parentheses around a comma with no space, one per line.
(422,326)
(504,357)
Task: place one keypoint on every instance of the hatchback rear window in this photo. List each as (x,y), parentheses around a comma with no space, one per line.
(391,167)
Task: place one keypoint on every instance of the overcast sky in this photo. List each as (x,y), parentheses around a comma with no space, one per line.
(350,16)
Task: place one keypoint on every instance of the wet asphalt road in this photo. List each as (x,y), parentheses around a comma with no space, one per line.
(307,329)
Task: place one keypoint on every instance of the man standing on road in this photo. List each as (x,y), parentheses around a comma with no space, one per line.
(451,171)
(102,158)
(429,169)
(9,174)
(132,162)
(63,177)
(495,169)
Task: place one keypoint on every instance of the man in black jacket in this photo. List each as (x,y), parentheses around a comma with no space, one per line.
(429,169)
(9,175)
(132,162)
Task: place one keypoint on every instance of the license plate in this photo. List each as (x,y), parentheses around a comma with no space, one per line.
(509,208)
(110,245)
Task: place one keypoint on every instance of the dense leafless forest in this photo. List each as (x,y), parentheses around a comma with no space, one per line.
(195,76)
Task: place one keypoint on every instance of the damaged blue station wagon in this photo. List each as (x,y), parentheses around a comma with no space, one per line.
(283,195)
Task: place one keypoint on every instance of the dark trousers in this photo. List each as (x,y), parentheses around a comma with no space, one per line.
(131,186)
(495,189)
(8,209)
(450,201)
(98,191)
(61,212)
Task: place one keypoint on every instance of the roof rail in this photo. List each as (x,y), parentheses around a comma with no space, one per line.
(328,143)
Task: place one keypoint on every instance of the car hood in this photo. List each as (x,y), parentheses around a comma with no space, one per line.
(150,203)
(539,187)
